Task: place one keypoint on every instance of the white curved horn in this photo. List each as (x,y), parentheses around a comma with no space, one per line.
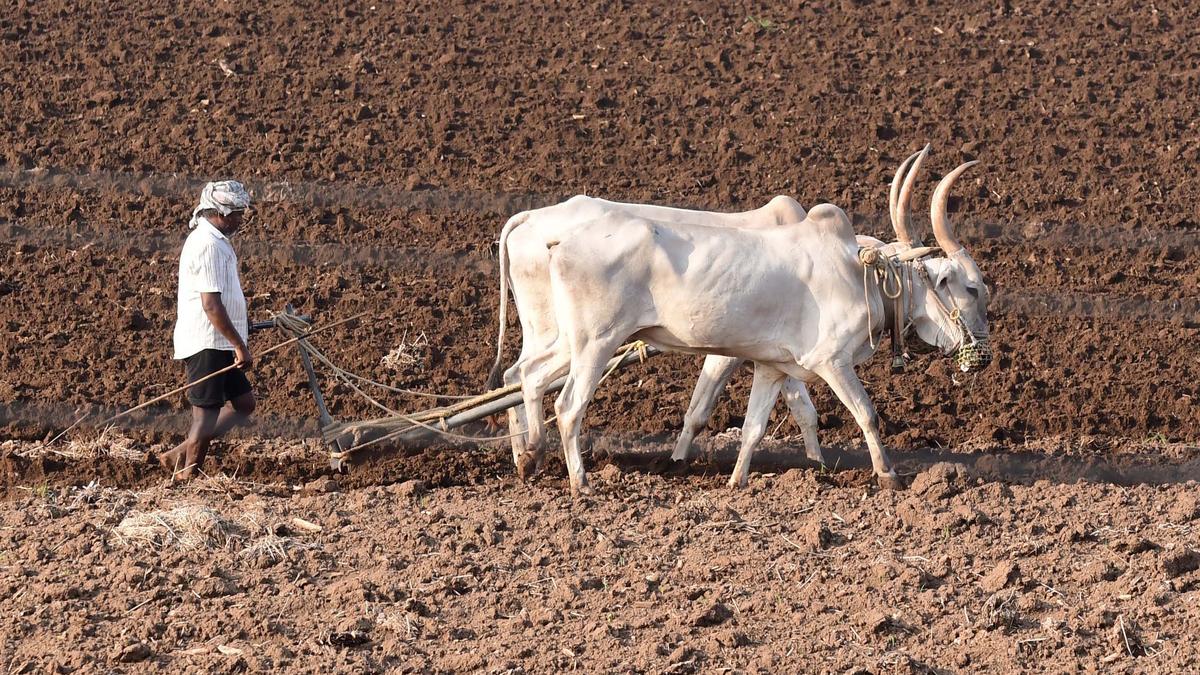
(903,213)
(894,193)
(937,211)
(898,198)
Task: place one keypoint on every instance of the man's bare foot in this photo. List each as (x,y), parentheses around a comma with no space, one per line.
(169,459)
(175,461)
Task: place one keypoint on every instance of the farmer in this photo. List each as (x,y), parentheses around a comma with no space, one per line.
(212,327)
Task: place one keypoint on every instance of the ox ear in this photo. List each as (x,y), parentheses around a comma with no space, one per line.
(939,270)
(917,253)
(967,262)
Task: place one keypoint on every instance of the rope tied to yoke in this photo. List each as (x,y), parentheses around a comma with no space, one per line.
(296,326)
(894,276)
(889,274)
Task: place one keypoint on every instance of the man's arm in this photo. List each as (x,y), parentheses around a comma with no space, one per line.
(215,310)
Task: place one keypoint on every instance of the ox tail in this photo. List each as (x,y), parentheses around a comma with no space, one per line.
(494,377)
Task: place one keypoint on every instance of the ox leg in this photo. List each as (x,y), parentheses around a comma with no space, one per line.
(714,376)
(536,375)
(516,418)
(587,367)
(767,383)
(538,334)
(805,414)
(850,391)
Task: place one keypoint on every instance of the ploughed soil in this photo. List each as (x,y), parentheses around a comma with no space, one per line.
(1051,519)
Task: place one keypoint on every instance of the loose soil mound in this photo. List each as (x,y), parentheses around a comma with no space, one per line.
(802,571)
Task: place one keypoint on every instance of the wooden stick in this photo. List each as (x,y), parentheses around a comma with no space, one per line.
(206,377)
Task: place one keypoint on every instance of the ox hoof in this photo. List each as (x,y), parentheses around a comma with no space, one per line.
(670,466)
(583,490)
(527,466)
(891,482)
(735,484)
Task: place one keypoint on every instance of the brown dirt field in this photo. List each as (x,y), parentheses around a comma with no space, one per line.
(1051,524)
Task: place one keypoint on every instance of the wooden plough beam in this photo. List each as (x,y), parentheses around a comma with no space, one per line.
(352,443)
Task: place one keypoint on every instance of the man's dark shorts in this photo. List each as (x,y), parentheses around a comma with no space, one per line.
(213,393)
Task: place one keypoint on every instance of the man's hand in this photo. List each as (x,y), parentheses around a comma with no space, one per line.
(215,310)
(242,358)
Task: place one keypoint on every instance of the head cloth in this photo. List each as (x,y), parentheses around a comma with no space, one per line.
(224,196)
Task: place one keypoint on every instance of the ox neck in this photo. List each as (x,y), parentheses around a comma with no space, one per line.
(894,283)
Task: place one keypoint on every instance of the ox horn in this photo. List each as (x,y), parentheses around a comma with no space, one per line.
(900,196)
(937,211)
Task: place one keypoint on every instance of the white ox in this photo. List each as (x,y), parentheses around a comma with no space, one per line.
(531,282)
(790,296)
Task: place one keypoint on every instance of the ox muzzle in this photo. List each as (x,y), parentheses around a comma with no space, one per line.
(976,355)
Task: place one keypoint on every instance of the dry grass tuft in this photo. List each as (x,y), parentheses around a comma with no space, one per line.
(109,443)
(274,544)
(223,483)
(275,547)
(184,527)
(407,354)
(403,623)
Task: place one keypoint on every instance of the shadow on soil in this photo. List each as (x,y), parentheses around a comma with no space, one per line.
(1010,467)
(448,466)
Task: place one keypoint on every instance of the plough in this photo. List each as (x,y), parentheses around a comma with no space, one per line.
(351,443)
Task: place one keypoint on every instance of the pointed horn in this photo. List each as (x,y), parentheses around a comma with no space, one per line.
(903,213)
(894,198)
(937,211)
(915,253)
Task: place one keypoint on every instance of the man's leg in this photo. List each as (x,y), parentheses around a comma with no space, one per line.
(210,419)
(236,414)
(186,457)
(236,388)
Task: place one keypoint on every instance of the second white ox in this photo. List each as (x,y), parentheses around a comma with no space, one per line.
(793,298)
(530,278)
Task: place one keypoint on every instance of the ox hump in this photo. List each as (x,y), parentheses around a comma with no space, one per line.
(830,220)
(786,210)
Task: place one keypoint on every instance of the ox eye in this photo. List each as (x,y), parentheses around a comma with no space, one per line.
(973,291)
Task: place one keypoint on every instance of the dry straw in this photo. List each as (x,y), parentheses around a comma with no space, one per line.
(276,547)
(274,544)
(192,527)
(109,443)
(186,527)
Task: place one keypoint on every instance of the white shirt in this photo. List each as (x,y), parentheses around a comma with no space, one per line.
(207,265)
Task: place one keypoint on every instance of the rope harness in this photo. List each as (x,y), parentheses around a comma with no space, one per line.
(890,276)
(971,354)
(895,280)
(295,326)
